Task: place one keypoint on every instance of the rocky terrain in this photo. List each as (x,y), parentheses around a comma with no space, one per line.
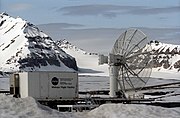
(24,47)
(166,56)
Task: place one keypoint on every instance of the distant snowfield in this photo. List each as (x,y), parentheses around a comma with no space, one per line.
(165,74)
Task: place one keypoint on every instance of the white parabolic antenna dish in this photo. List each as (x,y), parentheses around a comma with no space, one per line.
(130,62)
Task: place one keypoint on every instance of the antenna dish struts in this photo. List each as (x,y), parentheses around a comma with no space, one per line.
(129,63)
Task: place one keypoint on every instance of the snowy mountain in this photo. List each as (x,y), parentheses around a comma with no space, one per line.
(166,59)
(166,56)
(23,47)
(64,44)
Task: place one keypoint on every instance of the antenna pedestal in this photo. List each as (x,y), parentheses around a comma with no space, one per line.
(113,73)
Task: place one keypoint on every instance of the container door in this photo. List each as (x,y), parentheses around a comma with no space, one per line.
(44,85)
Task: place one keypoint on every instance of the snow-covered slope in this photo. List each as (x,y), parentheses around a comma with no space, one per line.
(87,62)
(23,47)
(27,108)
(166,60)
(133,111)
(167,56)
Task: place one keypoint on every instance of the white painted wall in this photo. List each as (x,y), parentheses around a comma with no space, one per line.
(39,85)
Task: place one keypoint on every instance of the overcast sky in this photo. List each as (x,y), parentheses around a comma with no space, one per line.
(99,14)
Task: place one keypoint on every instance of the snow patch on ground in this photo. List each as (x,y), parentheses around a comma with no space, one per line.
(133,111)
(27,108)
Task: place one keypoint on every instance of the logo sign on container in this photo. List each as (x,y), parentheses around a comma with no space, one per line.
(55,81)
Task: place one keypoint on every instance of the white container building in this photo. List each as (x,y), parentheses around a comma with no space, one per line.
(45,85)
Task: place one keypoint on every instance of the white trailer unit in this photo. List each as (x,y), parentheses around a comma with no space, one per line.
(45,85)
